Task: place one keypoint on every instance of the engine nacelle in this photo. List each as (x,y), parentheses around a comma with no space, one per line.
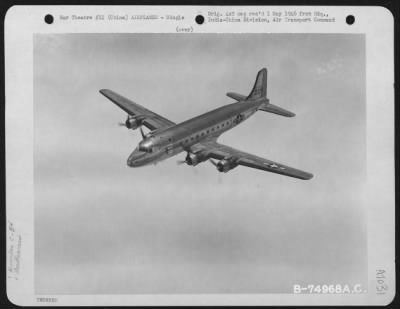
(133,122)
(194,159)
(226,165)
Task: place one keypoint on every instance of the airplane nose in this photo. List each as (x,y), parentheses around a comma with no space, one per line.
(135,158)
(130,163)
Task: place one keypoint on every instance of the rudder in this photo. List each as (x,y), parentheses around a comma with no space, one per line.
(260,86)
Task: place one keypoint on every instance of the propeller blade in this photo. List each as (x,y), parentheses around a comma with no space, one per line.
(121,124)
(180,162)
(212,162)
(141,132)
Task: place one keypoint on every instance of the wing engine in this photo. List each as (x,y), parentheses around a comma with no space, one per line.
(193,159)
(225,165)
(133,122)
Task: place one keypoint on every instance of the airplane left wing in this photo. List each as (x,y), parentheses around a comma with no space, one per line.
(234,157)
(236,96)
(151,120)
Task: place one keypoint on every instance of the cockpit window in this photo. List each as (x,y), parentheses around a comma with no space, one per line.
(146,145)
(145,149)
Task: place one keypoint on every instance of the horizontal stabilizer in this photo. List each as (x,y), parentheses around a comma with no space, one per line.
(236,96)
(270,108)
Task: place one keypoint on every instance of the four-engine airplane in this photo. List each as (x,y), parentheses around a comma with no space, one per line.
(198,136)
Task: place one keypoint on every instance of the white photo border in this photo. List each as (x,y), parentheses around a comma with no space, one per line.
(22,22)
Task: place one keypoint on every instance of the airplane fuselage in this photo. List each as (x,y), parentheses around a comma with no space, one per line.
(164,143)
(198,136)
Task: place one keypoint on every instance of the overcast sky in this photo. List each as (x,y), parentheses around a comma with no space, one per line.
(101,227)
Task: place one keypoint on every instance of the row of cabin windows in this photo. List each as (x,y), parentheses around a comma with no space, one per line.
(192,138)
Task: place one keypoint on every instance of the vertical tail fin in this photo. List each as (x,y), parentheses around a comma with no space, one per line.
(260,86)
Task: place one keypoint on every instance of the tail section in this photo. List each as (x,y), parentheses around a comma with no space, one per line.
(260,86)
(258,92)
(270,108)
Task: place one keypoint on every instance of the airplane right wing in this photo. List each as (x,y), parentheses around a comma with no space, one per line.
(231,157)
(151,120)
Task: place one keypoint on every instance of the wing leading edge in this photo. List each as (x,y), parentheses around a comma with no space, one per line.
(218,151)
(151,120)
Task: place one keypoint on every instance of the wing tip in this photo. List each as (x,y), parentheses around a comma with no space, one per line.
(104,91)
(307,176)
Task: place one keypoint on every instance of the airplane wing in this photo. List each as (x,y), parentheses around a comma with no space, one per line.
(218,151)
(151,120)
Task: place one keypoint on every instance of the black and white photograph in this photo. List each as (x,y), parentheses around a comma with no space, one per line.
(184,164)
(106,206)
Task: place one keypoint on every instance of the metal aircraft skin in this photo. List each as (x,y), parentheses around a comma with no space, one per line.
(198,136)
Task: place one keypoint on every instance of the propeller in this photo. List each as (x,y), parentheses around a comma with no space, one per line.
(141,131)
(212,162)
(180,162)
(125,123)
